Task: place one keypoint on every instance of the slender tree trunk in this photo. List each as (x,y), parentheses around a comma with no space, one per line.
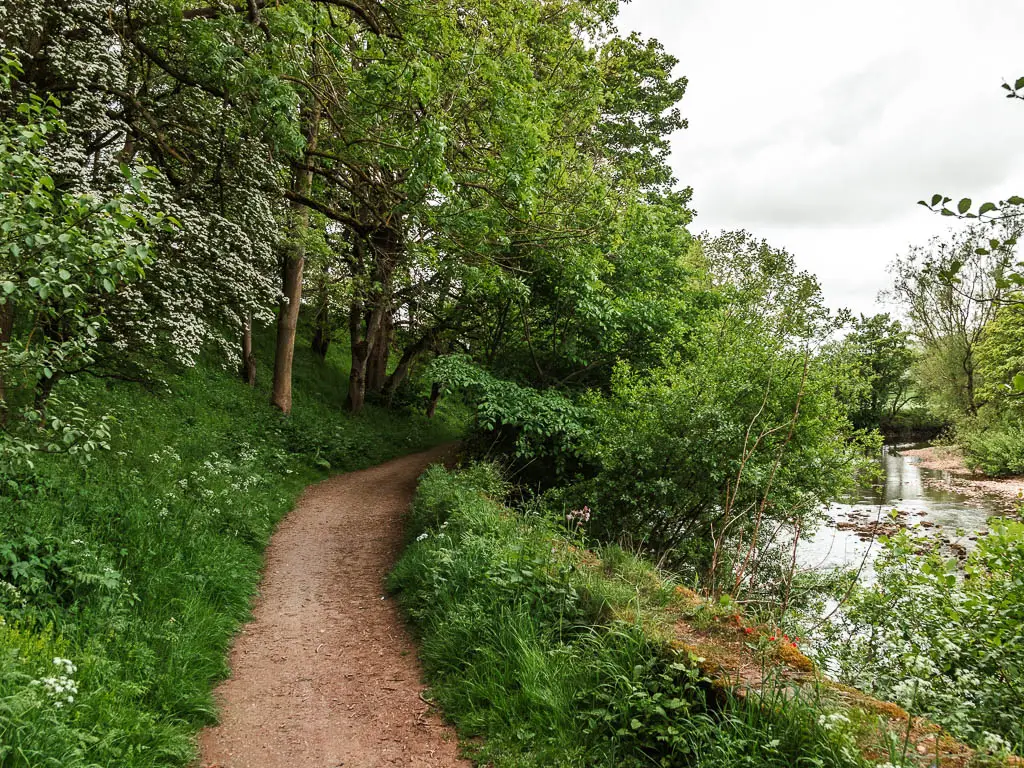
(385,245)
(6,330)
(360,353)
(322,332)
(248,358)
(362,346)
(44,388)
(972,407)
(435,396)
(287,323)
(291,281)
(409,355)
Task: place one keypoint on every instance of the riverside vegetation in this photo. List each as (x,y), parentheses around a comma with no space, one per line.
(242,245)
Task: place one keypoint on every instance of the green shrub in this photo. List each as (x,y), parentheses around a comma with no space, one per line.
(994,446)
(941,643)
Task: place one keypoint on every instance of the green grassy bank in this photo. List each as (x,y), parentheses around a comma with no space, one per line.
(558,656)
(123,580)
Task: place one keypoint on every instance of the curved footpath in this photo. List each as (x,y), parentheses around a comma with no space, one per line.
(325,675)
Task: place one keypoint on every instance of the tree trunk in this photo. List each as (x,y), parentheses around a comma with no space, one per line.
(291,280)
(968,366)
(385,246)
(380,353)
(409,355)
(287,323)
(44,388)
(6,330)
(321,332)
(435,396)
(248,358)
(360,352)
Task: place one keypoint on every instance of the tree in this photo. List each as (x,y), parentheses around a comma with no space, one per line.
(881,350)
(951,290)
(64,258)
(736,435)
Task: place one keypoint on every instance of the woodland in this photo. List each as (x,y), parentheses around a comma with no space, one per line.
(244,245)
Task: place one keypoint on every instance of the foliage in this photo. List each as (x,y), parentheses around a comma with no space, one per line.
(138,568)
(880,348)
(951,291)
(537,423)
(63,258)
(1010,209)
(944,644)
(521,648)
(993,443)
(732,439)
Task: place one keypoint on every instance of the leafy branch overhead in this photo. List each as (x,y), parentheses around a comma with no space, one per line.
(1011,207)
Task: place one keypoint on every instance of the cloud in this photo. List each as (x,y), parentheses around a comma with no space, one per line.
(820,125)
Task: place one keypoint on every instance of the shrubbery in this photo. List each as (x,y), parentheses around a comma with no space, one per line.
(944,644)
(994,445)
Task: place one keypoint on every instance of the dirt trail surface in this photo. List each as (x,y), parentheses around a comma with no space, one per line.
(325,675)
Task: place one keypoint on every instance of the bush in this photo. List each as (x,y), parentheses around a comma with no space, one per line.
(996,447)
(944,644)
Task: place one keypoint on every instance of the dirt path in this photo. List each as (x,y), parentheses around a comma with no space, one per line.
(325,675)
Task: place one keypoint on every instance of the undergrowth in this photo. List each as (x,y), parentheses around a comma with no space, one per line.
(557,656)
(122,580)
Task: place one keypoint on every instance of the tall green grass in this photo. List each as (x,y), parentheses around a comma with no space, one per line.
(544,656)
(138,567)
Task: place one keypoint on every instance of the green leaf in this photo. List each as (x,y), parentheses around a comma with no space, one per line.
(1016,200)
(985,208)
(936,199)
(1018,382)
(9,287)
(964,205)
(1018,84)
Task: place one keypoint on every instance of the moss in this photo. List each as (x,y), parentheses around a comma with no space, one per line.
(791,656)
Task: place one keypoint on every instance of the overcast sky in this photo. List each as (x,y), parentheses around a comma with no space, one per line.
(819,125)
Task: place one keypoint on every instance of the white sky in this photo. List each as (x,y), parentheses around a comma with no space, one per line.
(818,125)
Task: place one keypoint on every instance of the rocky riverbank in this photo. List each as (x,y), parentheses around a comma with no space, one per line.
(956,477)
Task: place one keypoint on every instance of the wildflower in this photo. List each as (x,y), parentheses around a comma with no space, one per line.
(578,516)
(422,536)
(772,638)
(748,630)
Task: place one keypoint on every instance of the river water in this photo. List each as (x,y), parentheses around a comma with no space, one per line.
(903,489)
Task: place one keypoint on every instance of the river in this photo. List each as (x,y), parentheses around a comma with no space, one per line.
(843,541)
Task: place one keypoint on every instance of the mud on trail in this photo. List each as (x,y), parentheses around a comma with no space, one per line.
(325,674)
